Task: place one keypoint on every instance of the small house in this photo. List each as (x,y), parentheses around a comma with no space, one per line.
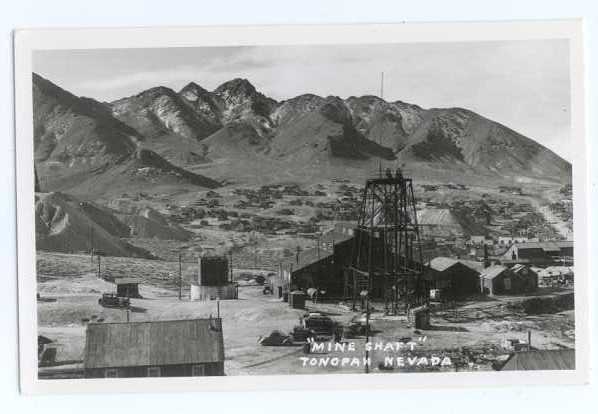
(180,348)
(453,277)
(497,279)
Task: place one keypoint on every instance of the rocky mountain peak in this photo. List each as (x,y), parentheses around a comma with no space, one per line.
(236,87)
(240,100)
(192,92)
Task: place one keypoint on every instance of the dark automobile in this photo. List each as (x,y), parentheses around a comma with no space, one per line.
(110,300)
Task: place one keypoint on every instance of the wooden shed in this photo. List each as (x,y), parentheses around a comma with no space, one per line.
(127,287)
(177,348)
(453,277)
(496,280)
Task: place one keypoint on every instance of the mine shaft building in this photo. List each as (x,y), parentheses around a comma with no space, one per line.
(324,266)
(454,278)
(154,349)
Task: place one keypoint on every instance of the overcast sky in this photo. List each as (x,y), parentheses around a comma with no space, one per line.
(521,84)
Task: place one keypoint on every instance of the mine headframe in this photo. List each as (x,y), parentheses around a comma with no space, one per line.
(387,260)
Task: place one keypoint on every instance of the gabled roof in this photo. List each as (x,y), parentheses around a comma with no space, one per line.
(518,267)
(472,264)
(492,271)
(440,264)
(560,359)
(308,257)
(155,343)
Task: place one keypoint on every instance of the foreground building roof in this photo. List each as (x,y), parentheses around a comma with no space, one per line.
(156,343)
(560,359)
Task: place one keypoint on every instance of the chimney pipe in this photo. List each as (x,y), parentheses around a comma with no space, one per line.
(486,260)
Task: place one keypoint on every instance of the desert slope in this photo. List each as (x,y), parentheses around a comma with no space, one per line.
(65,224)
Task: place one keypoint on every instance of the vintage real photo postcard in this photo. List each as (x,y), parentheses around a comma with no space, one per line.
(301,207)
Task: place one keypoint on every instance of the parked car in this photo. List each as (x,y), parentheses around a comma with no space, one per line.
(110,300)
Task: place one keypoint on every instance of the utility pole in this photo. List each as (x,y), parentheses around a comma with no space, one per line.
(382,85)
(367,333)
(318,245)
(99,267)
(91,243)
(230,255)
(180,278)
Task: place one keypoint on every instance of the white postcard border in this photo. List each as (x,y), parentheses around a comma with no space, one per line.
(28,40)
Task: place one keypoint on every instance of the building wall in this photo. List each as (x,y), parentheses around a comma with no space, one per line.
(456,281)
(204,293)
(319,275)
(325,274)
(187,370)
(514,283)
(128,290)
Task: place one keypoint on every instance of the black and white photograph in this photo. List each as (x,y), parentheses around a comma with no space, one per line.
(393,208)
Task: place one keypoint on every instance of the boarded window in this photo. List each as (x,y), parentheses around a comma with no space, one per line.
(198,370)
(111,373)
(507,282)
(153,372)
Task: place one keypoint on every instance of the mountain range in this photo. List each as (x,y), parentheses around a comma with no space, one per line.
(161,138)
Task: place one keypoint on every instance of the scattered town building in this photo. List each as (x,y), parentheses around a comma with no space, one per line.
(509,240)
(555,276)
(540,253)
(479,241)
(178,348)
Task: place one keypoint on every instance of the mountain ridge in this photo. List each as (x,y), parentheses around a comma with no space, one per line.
(196,125)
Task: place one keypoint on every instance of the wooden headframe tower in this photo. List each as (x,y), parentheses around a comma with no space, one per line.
(387,261)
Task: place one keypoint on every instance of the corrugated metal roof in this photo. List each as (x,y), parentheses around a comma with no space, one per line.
(560,359)
(154,343)
(492,271)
